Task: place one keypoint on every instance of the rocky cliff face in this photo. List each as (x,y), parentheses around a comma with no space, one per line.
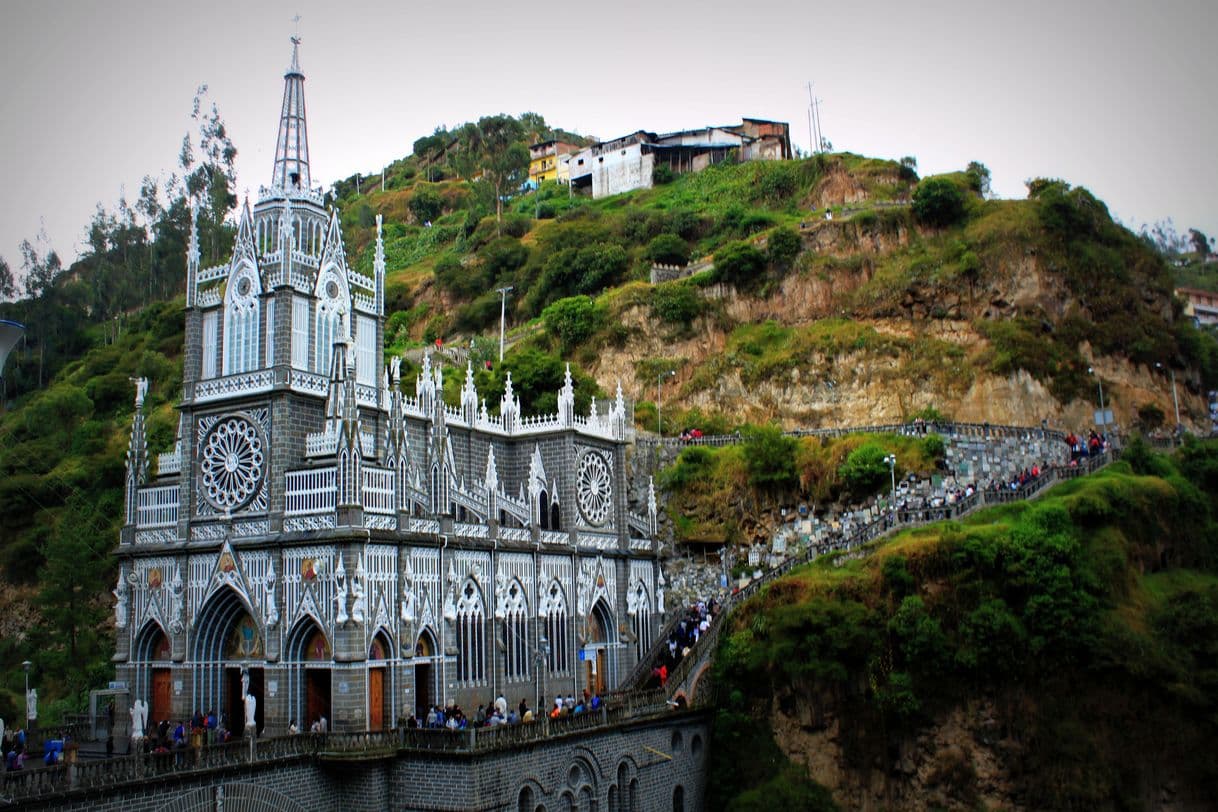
(860,388)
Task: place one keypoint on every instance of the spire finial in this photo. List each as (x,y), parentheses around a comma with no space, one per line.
(292,147)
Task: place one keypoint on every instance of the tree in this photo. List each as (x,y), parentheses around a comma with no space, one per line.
(978,178)
(1200,242)
(497,143)
(771,458)
(938,202)
(8,285)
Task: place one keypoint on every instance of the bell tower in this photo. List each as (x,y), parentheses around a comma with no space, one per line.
(292,146)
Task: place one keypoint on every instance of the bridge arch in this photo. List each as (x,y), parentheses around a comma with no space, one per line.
(236,797)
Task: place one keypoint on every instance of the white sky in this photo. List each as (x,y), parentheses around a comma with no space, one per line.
(1117,96)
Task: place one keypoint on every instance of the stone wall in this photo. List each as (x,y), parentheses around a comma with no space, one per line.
(638,765)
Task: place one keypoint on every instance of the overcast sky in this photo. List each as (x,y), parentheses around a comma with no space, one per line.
(1116,95)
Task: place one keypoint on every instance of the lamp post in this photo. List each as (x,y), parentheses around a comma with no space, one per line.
(26,666)
(1174,399)
(660,380)
(1103,421)
(891,459)
(503,292)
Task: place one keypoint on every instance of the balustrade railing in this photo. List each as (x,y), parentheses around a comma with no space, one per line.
(953,429)
(308,492)
(157,507)
(85,775)
(378,490)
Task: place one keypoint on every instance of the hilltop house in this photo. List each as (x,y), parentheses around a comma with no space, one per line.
(548,160)
(628,162)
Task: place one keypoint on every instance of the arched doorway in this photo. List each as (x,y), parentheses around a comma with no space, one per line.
(599,641)
(309,657)
(152,652)
(228,650)
(424,674)
(379,654)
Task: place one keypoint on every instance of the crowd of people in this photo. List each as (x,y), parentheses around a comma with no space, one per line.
(15,755)
(1093,445)
(683,637)
(498,712)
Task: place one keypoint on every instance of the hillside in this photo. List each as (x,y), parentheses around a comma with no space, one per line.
(996,313)
(917,297)
(1059,654)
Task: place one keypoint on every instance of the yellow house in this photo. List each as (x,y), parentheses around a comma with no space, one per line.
(548,161)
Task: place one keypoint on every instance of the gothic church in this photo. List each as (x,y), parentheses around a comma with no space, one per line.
(332,547)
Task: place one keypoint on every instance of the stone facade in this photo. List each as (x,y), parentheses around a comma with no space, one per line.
(331,546)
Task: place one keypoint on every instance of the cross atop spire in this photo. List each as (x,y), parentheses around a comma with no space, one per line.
(292,147)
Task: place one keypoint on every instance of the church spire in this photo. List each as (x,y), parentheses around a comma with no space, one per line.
(292,148)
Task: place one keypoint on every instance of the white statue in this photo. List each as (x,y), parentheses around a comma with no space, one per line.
(31,704)
(359,604)
(120,607)
(137,729)
(501,594)
(660,593)
(251,707)
(245,683)
(176,603)
(340,597)
(141,391)
(272,610)
(450,596)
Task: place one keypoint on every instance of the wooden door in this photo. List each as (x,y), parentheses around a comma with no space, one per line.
(602,670)
(422,691)
(317,696)
(376,699)
(160,705)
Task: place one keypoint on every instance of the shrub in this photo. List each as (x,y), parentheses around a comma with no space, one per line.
(771,458)
(676,303)
(739,264)
(782,247)
(662,174)
(667,249)
(572,321)
(938,202)
(503,256)
(425,205)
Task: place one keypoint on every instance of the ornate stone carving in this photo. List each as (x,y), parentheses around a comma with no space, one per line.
(359,603)
(271,613)
(177,605)
(120,607)
(231,463)
(594,488)
(340,597)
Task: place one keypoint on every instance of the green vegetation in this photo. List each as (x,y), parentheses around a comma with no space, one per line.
(710,489)
(1100,661)
(938,202)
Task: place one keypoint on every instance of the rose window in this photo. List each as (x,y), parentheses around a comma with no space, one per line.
(230,463)
(594,490)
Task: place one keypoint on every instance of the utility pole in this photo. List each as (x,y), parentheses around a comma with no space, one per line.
(503,292)
(820,135)
(811,136)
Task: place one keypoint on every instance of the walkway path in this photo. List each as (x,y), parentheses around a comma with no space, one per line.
(683,680)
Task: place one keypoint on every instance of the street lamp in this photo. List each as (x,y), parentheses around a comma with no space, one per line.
(503,292)
(659,381)
(1174,399)
(891,460)
(1103,421)
(26,665)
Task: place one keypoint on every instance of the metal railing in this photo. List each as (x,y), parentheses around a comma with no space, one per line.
(950,428)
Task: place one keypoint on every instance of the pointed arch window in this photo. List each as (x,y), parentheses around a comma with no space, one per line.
(514,611)
(471,635)
(331,305)
(558,630)
(241,323)
(641,620)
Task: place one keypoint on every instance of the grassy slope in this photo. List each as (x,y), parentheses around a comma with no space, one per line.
(1103,664)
